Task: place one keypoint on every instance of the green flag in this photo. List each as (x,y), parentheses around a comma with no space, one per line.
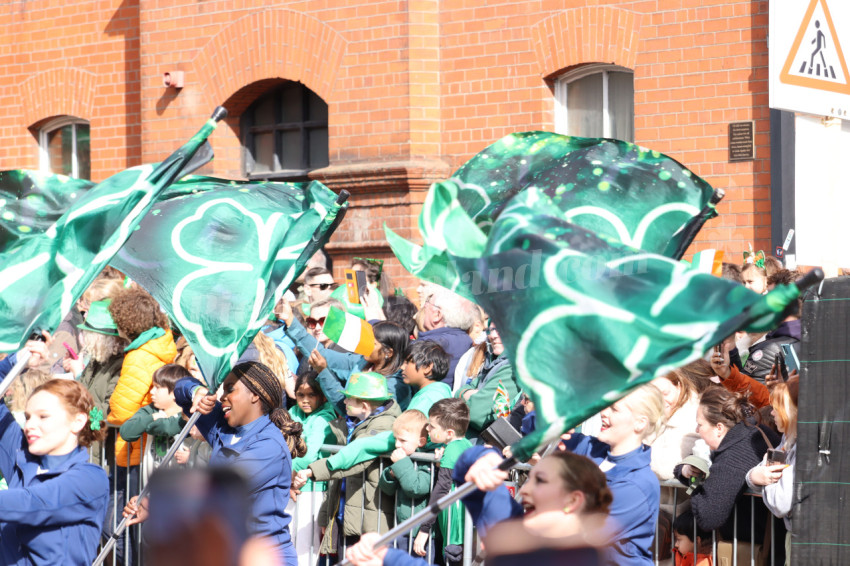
(42,275)
(573,256)
(218,255)
(620,190)
(584,319)
(32,201)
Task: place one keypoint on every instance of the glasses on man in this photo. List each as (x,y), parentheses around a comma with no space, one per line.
(322,286)
(314,322)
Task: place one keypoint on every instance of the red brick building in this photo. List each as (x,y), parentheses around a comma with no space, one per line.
(400,92)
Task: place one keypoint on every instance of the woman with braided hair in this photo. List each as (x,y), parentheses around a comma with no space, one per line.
(250,430)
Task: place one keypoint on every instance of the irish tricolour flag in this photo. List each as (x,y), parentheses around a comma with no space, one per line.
(349,331)
(709,261)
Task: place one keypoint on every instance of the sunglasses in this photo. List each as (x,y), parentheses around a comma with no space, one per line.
(313,323)
(322,286)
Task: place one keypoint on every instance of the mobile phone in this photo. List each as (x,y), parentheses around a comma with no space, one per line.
(70,351)
(355,283)
(775,457)
(783,367)
(791,359)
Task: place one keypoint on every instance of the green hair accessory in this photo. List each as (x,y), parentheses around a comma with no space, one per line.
(96,417)
(756,258)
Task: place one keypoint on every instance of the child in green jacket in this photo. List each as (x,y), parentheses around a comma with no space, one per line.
(163,418)
(407,480)
(448,420)
(315,414)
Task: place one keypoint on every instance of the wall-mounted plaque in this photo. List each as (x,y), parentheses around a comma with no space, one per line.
(742,141)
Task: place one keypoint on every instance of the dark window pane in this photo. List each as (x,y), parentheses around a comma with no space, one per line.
(292,149)
(318,147)
(83,152)
(317,109)
(264,112)
(264,155)
(292,103)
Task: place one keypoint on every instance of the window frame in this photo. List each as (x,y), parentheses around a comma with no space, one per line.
(562,102)
(57,124)
(248,131)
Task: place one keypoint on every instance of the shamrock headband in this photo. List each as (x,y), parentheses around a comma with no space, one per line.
(756,258)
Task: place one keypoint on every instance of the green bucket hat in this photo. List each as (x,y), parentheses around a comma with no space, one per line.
(369,385)
(99,320)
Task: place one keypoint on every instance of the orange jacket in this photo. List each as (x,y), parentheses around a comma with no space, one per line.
(738,382)
(133,390)
(688,559)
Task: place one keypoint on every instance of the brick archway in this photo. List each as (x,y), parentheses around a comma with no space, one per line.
(586,35)
(57,92)
(273,44)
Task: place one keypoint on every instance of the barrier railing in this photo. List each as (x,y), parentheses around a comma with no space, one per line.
(763,558)
(125,485)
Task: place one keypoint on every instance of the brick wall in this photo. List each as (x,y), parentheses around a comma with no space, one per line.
(414,87)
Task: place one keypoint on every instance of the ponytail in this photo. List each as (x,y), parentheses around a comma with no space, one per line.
(291,430)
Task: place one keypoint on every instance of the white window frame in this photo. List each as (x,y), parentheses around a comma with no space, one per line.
(561,102)
(53,125)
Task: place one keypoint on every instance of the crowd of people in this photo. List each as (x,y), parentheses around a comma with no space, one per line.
(437,379)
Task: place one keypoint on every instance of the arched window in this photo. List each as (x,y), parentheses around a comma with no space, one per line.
(596,101)
(285,133)
(64,147)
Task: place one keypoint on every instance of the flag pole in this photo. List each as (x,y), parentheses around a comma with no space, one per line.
(123,524)
(21,358)
(432,510)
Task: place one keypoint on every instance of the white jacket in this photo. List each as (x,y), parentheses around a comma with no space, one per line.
(676,440)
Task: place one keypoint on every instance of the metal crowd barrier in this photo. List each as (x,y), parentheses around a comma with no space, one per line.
(131,547)
(133,550)
(715,536)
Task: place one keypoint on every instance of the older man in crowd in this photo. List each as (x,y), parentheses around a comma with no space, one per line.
(445,318)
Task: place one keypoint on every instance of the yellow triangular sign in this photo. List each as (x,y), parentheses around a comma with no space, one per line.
(820,63)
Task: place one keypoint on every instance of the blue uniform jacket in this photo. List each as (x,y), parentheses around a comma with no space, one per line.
(637,494)
(48,517)
(340,366)
(7,363)
(264,459)
(485,508)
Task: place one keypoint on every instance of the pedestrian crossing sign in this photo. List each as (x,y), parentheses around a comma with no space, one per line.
(815,59)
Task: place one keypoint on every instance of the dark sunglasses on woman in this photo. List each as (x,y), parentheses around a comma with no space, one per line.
(311,322)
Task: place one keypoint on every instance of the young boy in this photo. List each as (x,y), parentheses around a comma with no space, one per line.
(353,506)
(408,480)
(448,420)
(163,418)
(426,363)
(425,366)
(683,531)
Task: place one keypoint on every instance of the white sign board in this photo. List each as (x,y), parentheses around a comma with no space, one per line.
(808,66)
(822,199)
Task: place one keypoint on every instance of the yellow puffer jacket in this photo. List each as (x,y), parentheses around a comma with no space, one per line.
(133,390)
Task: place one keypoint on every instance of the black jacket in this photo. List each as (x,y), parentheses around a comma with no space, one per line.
(715,500)
(763,354)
